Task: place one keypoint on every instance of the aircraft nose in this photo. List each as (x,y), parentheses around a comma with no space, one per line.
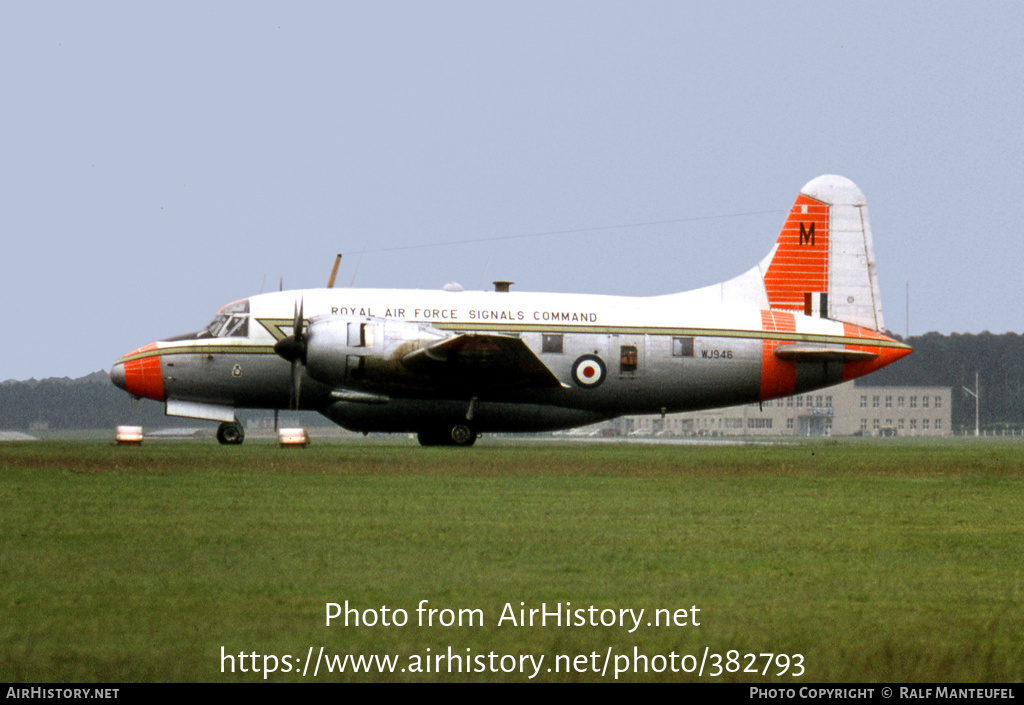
(139,373)
(117,375)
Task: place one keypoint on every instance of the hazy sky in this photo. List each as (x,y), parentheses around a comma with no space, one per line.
(161,159)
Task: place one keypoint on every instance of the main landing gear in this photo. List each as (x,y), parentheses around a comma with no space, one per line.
(457,435)
(230,433)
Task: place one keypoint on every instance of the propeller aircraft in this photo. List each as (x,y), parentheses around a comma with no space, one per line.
(451,364)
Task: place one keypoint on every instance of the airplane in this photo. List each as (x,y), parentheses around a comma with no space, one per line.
(451,364)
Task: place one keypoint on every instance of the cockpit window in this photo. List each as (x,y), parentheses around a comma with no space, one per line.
(232,321)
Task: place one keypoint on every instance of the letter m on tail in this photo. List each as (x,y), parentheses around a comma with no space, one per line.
(806,236)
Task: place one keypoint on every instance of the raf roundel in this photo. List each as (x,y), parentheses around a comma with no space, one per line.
(588,371)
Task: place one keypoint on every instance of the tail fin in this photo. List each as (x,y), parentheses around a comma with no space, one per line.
(823,263)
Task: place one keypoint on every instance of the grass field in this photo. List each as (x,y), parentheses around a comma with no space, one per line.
(874,562)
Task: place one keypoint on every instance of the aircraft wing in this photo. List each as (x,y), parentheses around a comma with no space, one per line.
(482,361)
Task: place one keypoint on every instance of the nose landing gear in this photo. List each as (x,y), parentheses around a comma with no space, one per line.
(230,433)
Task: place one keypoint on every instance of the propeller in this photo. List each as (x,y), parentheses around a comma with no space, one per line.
(293,349)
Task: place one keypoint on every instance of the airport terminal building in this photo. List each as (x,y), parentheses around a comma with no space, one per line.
(845,410)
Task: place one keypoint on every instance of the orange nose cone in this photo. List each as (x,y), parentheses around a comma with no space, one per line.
(138,373)
(887,350)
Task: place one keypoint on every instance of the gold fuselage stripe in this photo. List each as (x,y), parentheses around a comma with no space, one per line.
(186,348)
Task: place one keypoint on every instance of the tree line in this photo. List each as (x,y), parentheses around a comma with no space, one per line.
(63,404)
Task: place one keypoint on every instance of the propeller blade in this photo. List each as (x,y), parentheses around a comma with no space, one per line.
(297,323)
(293,349)
(296,384)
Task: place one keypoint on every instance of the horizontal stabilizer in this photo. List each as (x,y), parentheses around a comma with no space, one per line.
(821,353)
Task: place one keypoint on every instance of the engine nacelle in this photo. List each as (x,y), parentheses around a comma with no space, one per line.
(348,351)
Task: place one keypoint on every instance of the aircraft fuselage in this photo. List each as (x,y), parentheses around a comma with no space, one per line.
(611,356)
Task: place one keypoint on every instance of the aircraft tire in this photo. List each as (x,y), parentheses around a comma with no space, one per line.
(462,435)
(230,433)
(458,435)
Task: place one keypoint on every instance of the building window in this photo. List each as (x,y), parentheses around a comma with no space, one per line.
(938,423)
(863,402)
(888,402)
(863,425)
(682,347)
(874,402)
(938,402)
(925,424)
(552,343)
(900,402)
(901,424)
(924,402)
(913,402)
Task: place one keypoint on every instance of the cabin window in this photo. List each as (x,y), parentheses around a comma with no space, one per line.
(552,343)
(682,346)
(629,359)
